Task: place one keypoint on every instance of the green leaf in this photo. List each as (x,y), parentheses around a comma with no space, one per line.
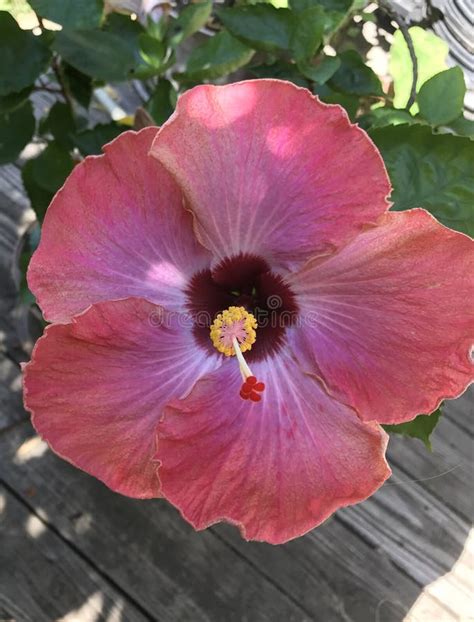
(127,29)
(421,427)
(342,6)
(78,85)
(74,14)
(90,142)
(149,52)
(157,29)
(190,20)
(307,32)
(23,57)
(349,102)
(381,117)
(146,71)
(431,52)
(101,55)
(354,77)
(44,175)
(321,73)
(462,126)
(51,167)
(160,105)
(218,56)
(280,70)
(335,11)
(330,5)
(16,130)
(152,50)
(301,5)
(429,170)
(39,197)
(441,98)
(261,26)
(11,102)
(264,27)
(60,123)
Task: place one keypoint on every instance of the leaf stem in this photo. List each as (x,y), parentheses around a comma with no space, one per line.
(59,78)
(414,61)
(411,50)
(57,72)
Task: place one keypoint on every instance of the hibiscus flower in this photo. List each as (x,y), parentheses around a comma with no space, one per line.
(235,312)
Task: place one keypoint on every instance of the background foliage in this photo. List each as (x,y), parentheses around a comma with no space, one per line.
(85,52)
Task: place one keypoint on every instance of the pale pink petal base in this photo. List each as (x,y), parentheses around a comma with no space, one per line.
(116,229)
(268,169)
(388,322)
(96,388)
(276,468)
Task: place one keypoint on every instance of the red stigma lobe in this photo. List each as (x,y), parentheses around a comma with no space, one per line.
(251,389)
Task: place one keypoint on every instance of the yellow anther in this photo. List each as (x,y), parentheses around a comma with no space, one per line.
(233,323)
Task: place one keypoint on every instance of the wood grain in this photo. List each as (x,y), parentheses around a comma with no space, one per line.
(42,579)
(341,571)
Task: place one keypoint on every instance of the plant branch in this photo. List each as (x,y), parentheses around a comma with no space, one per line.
(411,50)
(59,78)
(385,97)
(414,61)
(57,72)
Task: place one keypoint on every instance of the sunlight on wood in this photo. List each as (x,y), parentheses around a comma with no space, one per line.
(32,448)
(34,527)
(455,587)
(91,610)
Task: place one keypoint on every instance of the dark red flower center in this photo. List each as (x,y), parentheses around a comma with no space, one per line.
(247,281)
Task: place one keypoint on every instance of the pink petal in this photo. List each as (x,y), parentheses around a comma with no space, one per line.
(269,169)
(96,388)
(276,468)
(116,229)
(388,322)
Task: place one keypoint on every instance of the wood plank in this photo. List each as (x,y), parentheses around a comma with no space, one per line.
(442,588)
(11,403)
(417,531)
(333,573)
(15,218)
(42,579)
(144,546)
(447,471)
(461,411)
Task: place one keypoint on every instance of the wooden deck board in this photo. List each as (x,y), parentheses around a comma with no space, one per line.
(461,412)
(416,530)
(11,403)
(144,546)
(42,579)
(447,471)
(331,573)
(15,217)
